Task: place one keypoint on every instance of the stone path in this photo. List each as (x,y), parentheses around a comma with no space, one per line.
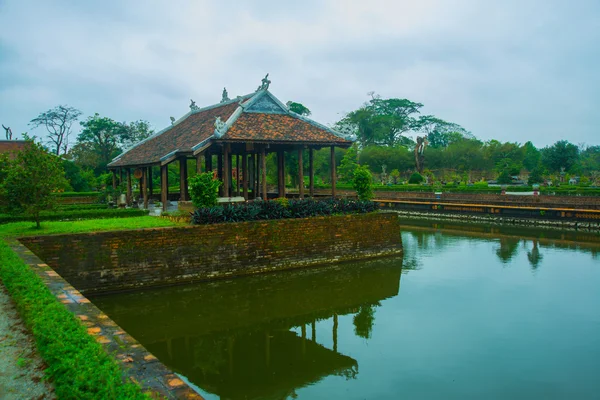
(21,368)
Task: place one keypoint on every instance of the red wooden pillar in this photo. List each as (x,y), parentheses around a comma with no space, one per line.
(245,175)
(300,174)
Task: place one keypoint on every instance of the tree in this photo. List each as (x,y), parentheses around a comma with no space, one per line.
(298,108)
(204,190)
(561,154)
(348,164)
(439,132)
(363,182)
(30,180)
(531,156)
(100,141)
(58,122)
(136,132)
(381,121)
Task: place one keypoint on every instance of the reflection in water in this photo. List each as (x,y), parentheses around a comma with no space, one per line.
(236,338)
(534,256)
(508,249)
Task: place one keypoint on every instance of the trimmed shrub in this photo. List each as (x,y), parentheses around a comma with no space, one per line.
(416,178)
(268,210)
(204,190)
(362,182)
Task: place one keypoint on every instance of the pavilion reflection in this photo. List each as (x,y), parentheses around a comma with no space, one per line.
(257,337)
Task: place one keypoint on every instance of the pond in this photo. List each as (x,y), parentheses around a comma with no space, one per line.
(468,312)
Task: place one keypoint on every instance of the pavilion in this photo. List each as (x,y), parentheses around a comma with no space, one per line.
(247,128)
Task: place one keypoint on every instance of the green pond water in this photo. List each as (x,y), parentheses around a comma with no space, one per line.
(469,312)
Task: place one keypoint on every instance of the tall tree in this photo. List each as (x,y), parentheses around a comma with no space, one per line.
(58,122)
(100,141)
(381,121)
(440,133)
(136,132)
(30,179)
(561,154)
(531,156)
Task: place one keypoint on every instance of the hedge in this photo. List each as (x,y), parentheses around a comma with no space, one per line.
(78,367)
(279,209)
(75,214)
(78,194)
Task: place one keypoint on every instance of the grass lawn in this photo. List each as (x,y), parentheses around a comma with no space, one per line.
(18,229)
(78,366)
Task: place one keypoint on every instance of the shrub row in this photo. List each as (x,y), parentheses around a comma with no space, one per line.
(265,210)
(78,367)
(70,215)
(72,207)
(77,194)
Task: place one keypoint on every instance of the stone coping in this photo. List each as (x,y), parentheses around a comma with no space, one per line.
(137,363)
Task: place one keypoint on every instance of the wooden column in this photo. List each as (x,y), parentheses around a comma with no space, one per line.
(183,190)
(280,173)
(311,173)
(164,186)
(114,179)
(120,176)
(145,186)
(150,183)
(129,186)
(199,164)
(335,332)
(263,158)
(208,162)
(300,174)
(245,174)
(252,175)
(230,169)
(256,182)
(332,171)
(237,174)
(313,327)
(220,172)
(226,171)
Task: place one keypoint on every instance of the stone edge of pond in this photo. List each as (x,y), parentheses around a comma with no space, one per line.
(469,218)
(138,364)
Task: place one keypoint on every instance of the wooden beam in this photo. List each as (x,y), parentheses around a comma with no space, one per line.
(145,187)
(150,183)
(252,175)
(311,173)
(129,191)
(237,174)
(300,174)
(199,163)
(333,176)
(208,162)
(114,180)
(183,190)
(164,186)
(263,157)
(245,174)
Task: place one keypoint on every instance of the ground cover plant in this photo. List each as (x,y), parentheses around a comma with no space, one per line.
(78,366)
(269,210)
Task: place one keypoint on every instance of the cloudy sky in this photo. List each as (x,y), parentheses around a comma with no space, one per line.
(515,70)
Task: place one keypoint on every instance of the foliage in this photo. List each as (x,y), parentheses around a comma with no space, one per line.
(362,182)
(78,179)
(561,155)
(348,164)
(30,180)
(504,178)
(267,210)
(298,108)
(416,178)
(439,133)
(99,142)
(364,320)
(535,177)
(283,201)
(78,366)
(77,214)
(204,190)
(58,122)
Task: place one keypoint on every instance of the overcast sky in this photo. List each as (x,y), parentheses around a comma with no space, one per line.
(514,70)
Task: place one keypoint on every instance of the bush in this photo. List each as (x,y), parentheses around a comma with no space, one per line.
(362,182)
(416,178)
(267,210)
(204,190)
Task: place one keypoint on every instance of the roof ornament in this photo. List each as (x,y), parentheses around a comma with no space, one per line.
(193,105)
(220,127)
(172,120)
(225,96)
(346,132)
(265,82)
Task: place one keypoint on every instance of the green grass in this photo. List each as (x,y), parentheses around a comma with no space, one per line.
(18,229)
(78,366)
(77,214)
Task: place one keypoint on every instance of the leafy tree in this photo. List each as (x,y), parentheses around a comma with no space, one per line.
(363,182)
(439,132)
(298,108)
(30,179)
(590,159)
(75,176)
(535,176)
(531,156)
(504,178)
(58,122)
(561,154)
(100,141)
(136,132)
(204,190)
(381,121)
(376,157)
(364,320)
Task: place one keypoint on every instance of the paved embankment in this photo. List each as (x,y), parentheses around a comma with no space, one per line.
(21,368)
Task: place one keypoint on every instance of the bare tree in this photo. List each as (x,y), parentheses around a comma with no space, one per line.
(8,132)
(58,122)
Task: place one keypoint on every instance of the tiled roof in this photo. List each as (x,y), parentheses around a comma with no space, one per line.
(261,127)
(262,118)
(12,146)
(182,136)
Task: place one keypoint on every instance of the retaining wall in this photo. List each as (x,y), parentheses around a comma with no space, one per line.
(120,260)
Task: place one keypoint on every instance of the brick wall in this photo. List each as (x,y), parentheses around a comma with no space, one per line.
(109,261)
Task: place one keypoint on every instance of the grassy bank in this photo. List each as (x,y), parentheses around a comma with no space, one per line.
(78,366)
